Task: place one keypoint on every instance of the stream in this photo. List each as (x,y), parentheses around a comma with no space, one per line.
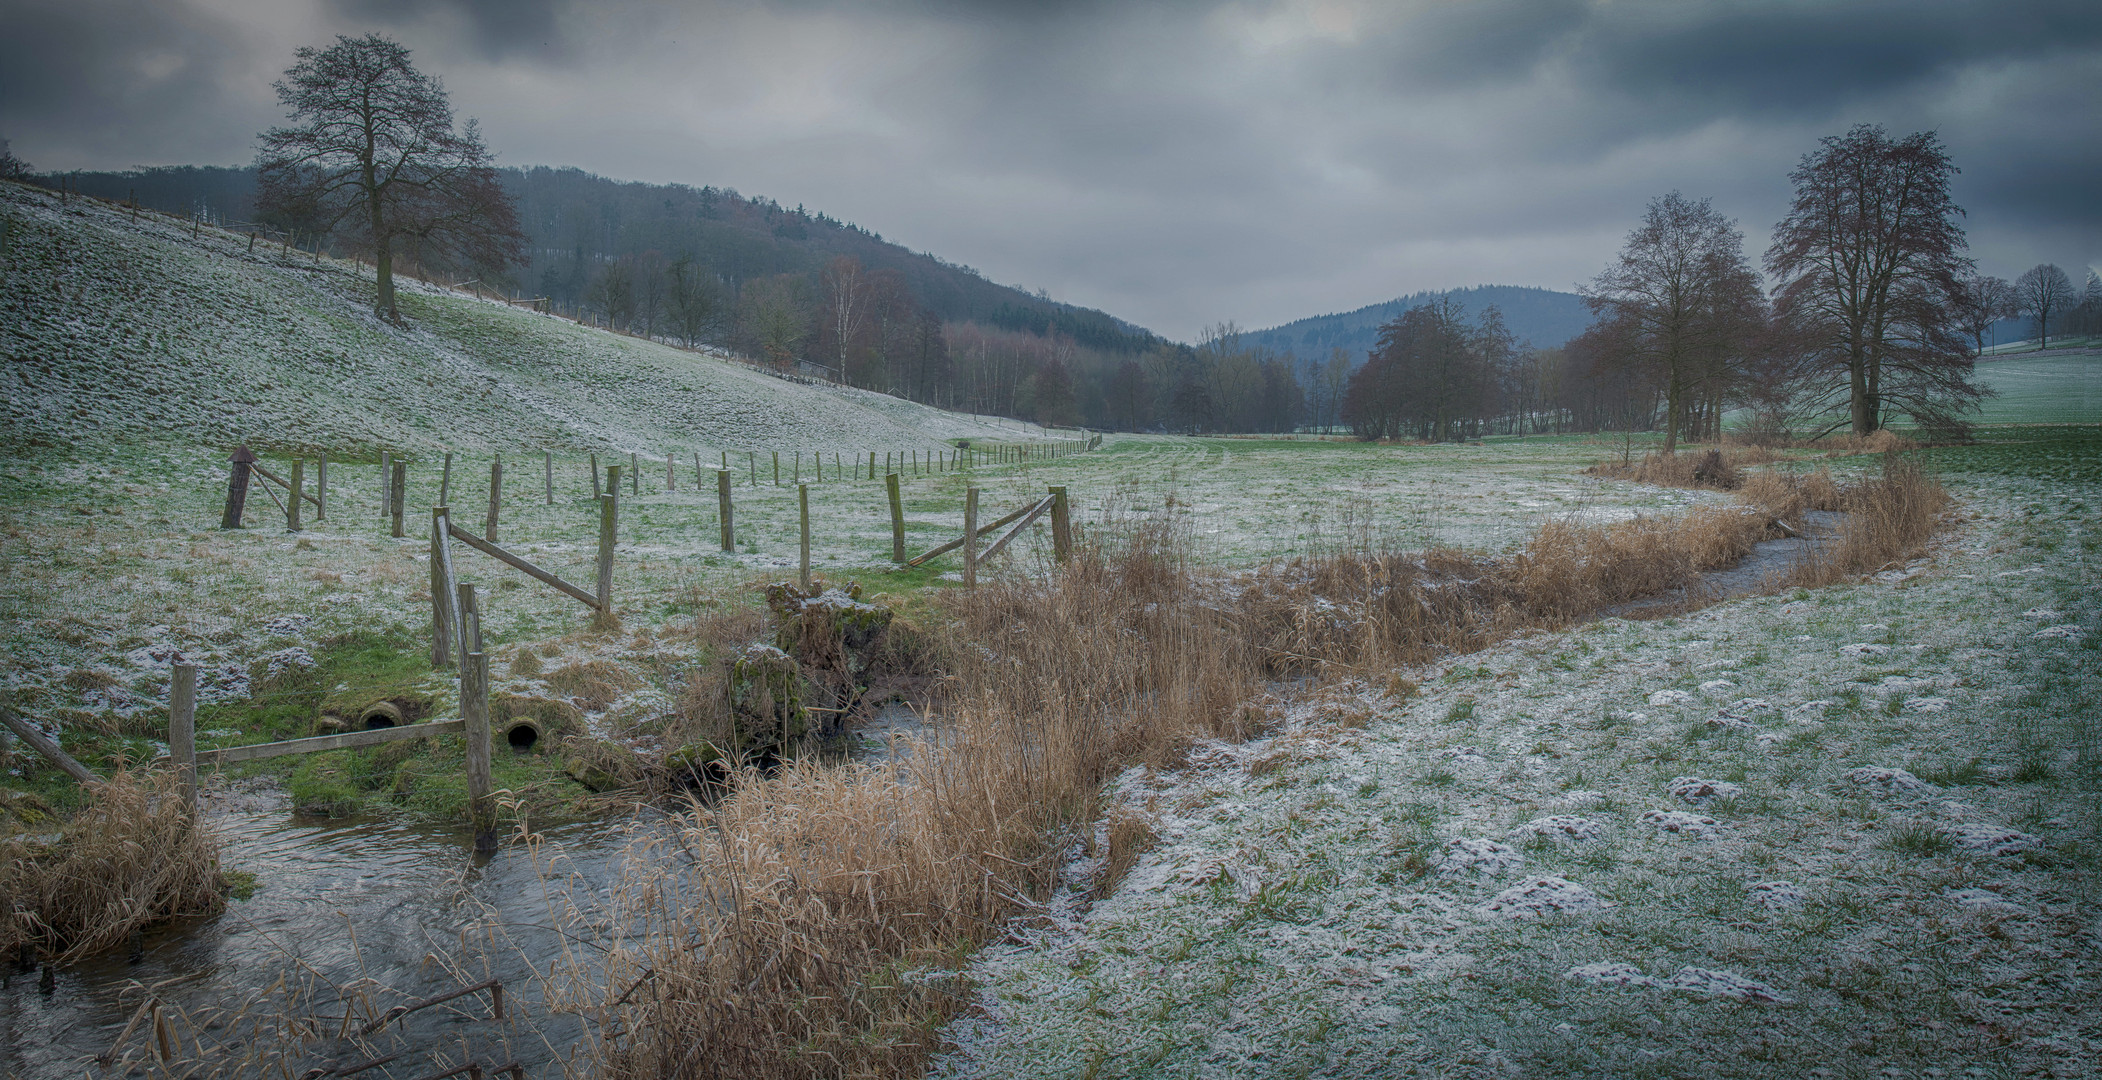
(375,898)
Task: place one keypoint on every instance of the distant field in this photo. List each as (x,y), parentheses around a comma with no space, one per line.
(2057,389)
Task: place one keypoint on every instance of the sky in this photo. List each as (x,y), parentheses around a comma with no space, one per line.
(1177,164)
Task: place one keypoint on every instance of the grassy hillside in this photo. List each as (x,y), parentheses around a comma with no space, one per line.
(115,326)
(2057,388)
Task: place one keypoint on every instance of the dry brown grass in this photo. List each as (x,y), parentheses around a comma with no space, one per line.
(794,936)
(1714,468)
(134,857)
(593,684)
(1890,519)
(808,922)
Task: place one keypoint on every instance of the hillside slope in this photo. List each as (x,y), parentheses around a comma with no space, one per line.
(117,328)
(1543,317)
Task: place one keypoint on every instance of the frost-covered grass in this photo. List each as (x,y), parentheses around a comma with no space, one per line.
(119,328)
(1839,833)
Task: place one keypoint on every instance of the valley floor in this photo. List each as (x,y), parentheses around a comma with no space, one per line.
(1850,832)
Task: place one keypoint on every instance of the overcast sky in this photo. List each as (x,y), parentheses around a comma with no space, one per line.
(1176,164)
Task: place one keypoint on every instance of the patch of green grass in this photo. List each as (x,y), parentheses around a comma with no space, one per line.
(1919,838)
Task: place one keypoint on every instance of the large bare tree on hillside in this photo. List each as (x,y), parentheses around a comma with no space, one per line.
(372,146)
(1684,300)
(1867,263)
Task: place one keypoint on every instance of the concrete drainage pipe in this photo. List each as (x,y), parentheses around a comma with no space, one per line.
(522,733)
(379,714)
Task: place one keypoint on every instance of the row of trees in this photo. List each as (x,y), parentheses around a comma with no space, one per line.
(1875,312)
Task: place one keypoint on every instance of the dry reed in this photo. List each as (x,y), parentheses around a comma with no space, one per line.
(812,921)
(133,857)
(809,921)
(1890,519)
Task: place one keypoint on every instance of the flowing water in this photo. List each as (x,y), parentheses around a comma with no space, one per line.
(387,900)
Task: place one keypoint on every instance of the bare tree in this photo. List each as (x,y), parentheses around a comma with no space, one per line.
(1982,300)
(847,304)
(12,167)
(2041,290)
(373,145)
(773,315)
(697,305)
(1685,300)
(1867,263)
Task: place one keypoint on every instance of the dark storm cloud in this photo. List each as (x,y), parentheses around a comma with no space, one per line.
(1176,163)
(496,29)
(108,83)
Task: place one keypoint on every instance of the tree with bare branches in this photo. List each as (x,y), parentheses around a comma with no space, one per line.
(372,146)
(1685,301)
(1867,263)
(1981,301)
(2041,290)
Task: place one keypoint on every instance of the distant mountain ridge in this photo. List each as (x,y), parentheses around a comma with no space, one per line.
(1542,317)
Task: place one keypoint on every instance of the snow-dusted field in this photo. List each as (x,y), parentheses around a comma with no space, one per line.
(122,328)
(1843,833)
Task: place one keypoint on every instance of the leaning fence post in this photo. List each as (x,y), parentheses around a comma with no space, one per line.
(321,489)
(634,473)
(595,492)
(400,495)
(547,457)
(671,475)
(1061,525)
(298,491)
(722,499)
(897,518)
(608,532)
(803,501)
(751,464)
(236,488)
(445,480)
(182,730)
(970,537)
(386,470)
(496,494)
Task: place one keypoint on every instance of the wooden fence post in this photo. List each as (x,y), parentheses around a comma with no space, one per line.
(751,464)
(548,458)
(400,495)
(872,464)
(634,473)
(474,714)
(1061,525)
(722,499)
(496,494)
(386,470)
(777,468)
(236,488)
(803,500)
(796,477)
(699,478)
(321,489)
(595,492)
(970,537)
(897,518)
(671,474)
(298,490)
(608,533)
(445,481)
(182,730)
(444,615)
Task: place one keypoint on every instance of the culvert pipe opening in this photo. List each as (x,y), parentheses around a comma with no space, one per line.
(522,735)
(379,714)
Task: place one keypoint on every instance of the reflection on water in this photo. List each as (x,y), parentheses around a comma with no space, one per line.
(392,901)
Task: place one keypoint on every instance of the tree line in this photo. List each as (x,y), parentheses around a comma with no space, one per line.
(1873,315)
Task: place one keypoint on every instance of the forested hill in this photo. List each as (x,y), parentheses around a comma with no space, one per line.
(577,222)
(1542,317)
